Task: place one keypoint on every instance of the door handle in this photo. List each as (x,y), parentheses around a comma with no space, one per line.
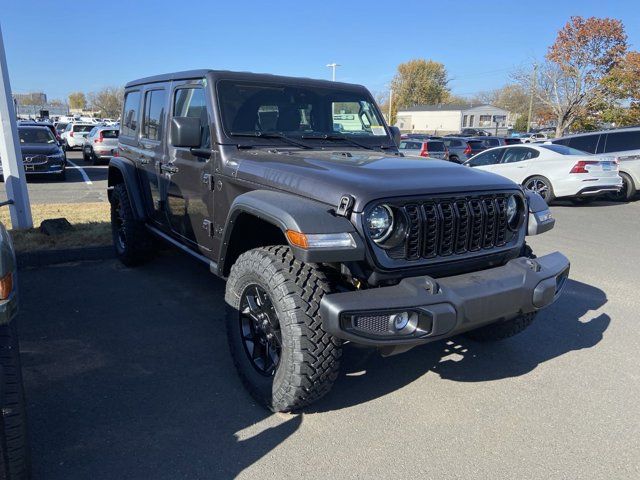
(168,168)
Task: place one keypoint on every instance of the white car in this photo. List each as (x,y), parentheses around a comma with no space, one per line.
(534,137)
(551,170)
(74,134)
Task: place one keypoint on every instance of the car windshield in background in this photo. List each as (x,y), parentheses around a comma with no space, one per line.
(562,150)
(110,133)
(83,128)
(36,135)
(315,113)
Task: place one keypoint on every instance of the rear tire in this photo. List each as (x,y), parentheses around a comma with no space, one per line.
(85,156)
(131,239)
(309,358)
(542,186)
(95,160)
(627,192)
(14,441)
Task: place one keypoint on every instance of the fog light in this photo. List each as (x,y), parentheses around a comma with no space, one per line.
(400,320)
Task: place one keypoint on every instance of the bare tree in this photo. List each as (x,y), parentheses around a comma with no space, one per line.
(107,101)
(571,78)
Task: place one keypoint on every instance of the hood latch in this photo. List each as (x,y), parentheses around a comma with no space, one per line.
(345,206)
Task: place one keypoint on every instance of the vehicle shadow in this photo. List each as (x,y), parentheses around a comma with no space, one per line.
(566,326)
(131,377)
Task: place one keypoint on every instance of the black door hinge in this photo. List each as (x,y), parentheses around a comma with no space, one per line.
(345,206)
(208,226)
(207,179)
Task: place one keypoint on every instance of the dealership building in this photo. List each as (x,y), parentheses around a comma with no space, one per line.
(443,119)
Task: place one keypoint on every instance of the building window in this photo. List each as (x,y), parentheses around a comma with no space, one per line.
(471,118)
(464,120)
(485,121)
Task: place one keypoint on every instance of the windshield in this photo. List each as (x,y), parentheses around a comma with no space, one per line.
(562,150)
(36,135)
(308,112)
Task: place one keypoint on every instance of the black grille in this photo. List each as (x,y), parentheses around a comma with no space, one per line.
(372,323)
(454,226)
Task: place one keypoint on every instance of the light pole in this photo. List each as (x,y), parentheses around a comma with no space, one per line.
(12,168)
(333,66)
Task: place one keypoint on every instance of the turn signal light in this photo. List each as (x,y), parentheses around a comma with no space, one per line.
(320,240)
(297,239)
(6,286)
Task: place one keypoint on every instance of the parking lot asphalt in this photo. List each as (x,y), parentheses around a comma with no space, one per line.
(85,183)
(128,375)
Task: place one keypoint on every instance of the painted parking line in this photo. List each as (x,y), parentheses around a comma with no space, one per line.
(85,177)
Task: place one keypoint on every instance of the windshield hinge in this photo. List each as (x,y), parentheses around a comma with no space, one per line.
(345,206)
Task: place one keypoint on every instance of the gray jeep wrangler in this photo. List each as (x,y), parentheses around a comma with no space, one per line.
(293,190)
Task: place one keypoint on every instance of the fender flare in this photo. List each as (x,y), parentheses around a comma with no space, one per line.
(128,172)
(291,212)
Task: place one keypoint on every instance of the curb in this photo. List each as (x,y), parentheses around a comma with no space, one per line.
(52,257)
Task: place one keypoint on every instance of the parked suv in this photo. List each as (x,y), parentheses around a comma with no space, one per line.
(431,148)
(459,149)
(293,190)
(74,134)
(100,144)
(623,143)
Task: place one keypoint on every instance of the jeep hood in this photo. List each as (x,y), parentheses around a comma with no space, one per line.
(327,176)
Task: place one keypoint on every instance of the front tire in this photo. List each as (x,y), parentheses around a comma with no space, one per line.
(305,358)
(131,240)
(14,441)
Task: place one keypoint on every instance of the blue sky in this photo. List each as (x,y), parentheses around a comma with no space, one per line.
(63,46)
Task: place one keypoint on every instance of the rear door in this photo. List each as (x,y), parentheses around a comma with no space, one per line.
(153,149)
(189,177)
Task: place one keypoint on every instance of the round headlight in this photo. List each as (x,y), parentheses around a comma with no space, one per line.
(513,212)
(380,223)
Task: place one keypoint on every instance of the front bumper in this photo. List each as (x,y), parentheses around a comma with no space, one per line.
(445,306)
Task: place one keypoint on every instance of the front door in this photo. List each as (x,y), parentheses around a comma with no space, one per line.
(190,187)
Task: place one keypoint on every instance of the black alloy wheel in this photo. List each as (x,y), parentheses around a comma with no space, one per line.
(260,330)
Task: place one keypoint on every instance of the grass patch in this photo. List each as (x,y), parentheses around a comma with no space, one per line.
(91,226)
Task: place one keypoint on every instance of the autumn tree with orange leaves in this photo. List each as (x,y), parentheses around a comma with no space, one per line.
(576,67)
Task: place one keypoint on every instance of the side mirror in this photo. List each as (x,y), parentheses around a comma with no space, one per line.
(395,134)
(185,132)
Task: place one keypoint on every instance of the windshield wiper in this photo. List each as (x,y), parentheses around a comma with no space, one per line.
(278,135)
(344,138)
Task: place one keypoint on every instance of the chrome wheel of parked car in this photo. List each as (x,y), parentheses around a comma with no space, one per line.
(260,329)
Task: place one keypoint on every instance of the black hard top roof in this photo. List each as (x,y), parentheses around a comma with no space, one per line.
(214,75)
